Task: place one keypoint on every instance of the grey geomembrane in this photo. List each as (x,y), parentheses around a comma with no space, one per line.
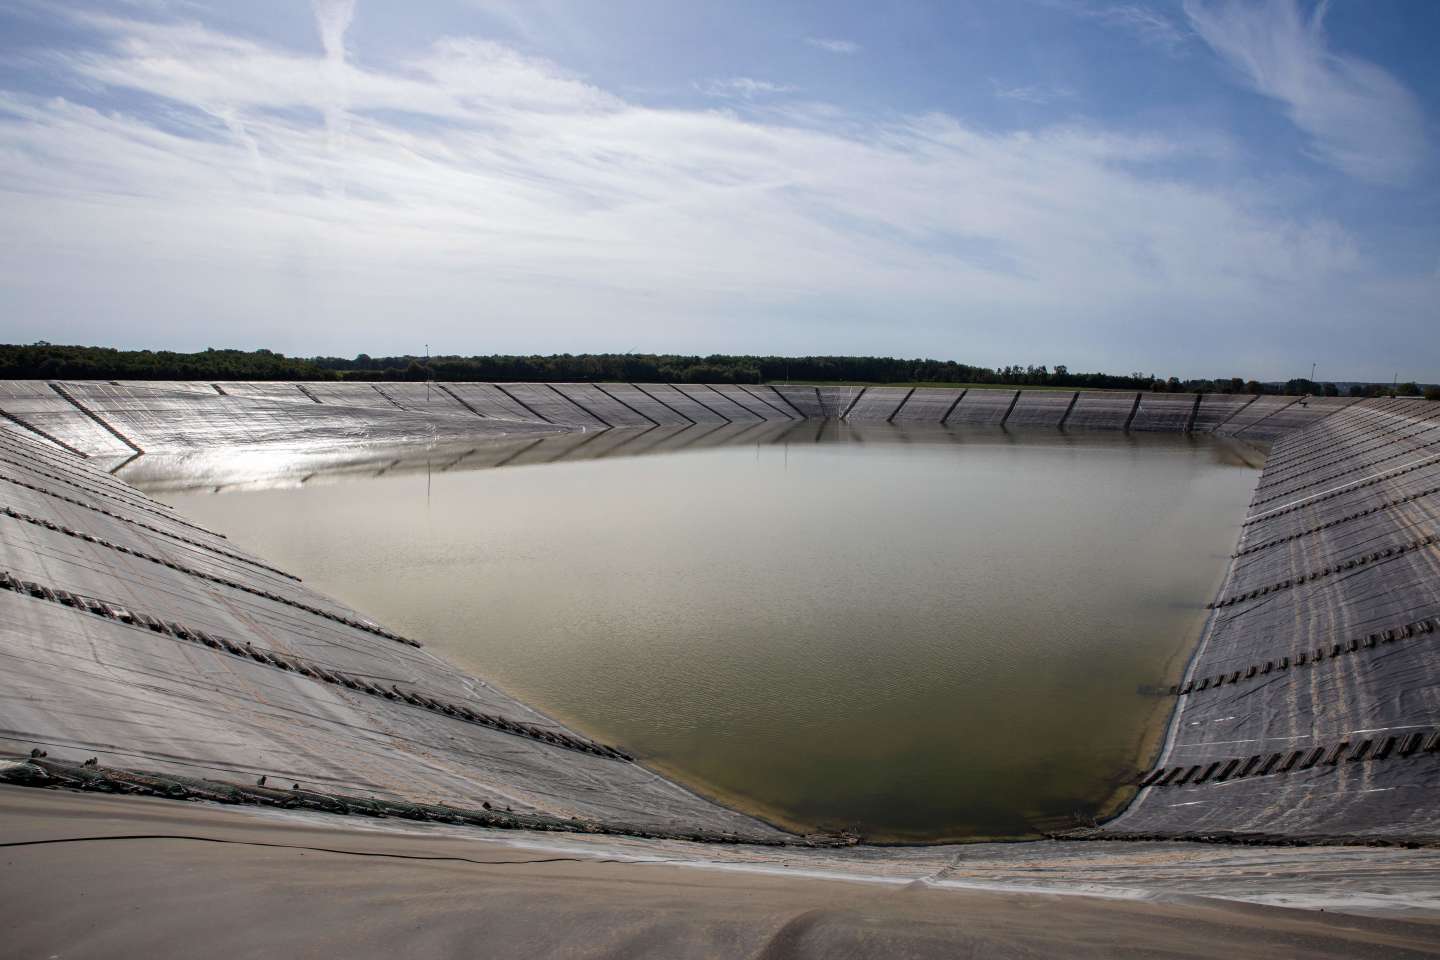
(604,406)
(835,400)
(1289,418)
(1253,416)
(714,407)
(1097,410)
(1319,669)
(984,407)
(117,420)
(692,409)
(1388,439)
(1170,412)
(1217,409)
(34,406)
(348,394)
(490,402)
(877,403)
(264,391)
(181,386)
(81,684)
(723,405)
(807,400)
(1323,638)
(643,404)
(770,397)
(28,471)
(550,405)
(426,398)
(180,708)
(1380,799)
(158,421)
(1040,408)
(928,405)
(1313,473)
(764,409)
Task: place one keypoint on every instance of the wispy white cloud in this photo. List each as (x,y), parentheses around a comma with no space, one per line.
(497,201)
(514,16)
(542,23)
(332,19)
(745,88)
(1141,21)
(1148,24)
(1036,93)
(832,45)
(1359,118)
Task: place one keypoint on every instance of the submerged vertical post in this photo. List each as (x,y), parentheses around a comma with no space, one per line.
(1010,409)
(1134,409)
(1073,400)
(1194,412)
(953,404)
(891,418)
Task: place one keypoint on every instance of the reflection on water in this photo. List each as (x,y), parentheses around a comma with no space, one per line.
(261,467)
(915,635)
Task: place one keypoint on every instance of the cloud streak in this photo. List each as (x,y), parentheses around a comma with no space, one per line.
(1149,25)
(1358,117)
(832,45)
(1035,93)
(745,88)
(332,19)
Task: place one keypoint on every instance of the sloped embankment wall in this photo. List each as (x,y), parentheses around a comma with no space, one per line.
(113,421)
(1312,704)
(1311,707)
(131,634)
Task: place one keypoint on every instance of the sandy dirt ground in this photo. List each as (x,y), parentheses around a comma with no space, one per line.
(100,876)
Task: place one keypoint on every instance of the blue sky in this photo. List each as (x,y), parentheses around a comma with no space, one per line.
(1201,188)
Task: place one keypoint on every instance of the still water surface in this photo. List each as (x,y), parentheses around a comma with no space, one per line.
(937,635)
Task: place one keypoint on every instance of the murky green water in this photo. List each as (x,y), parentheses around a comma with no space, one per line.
(931,636)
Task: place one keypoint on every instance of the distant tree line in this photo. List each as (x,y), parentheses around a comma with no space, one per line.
(44,361)
(50,361)
(715,368)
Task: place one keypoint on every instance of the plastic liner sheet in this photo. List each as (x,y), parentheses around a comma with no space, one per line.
(1255,413)
(983,407)
(1300,415)
(489,401)
(290,392)
(1164,411)
(928,405)
(691,408)
(835,400)
(356,394)
(86,680)
(1318,673)
(804,399)
(1040,408)
(760,406)
(604,405)
(877,403)
(157,421)
(722,404)
(551,405)
(641,402)
(31,405)
(425,398)
(1218,409)
(1101,410)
